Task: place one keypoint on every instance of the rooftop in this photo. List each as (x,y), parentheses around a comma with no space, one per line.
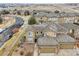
(50,15)
(39,27)
(70,26)
(56,28)
(47,41)
(47,27)
(64,38)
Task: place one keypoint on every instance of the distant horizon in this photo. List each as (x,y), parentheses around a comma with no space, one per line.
(39,1)
(5,5)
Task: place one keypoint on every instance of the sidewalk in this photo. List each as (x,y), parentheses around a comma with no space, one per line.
(35,50)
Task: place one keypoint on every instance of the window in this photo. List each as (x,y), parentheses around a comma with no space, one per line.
(41,17)
(30,34)
(35,40)
(41,32)
(37,32)
(22,52)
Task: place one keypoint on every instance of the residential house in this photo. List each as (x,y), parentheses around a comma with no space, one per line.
(50,29)
(54,29)
(52,45)
(47,44)
(65,41)
(33,32)
(73,29)
(58,17)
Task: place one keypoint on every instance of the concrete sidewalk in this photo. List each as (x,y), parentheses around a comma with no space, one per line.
(35,50)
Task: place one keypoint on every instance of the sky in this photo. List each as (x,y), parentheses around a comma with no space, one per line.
(39,1)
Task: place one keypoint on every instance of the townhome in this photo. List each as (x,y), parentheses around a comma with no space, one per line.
(54,29)
(33,32)
(58,17)
(73,30)
(65,41)
(50,29)
(47,45)
(50,37)
(52,45)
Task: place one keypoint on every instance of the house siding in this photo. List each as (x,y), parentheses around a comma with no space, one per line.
(48,49)
(67,45)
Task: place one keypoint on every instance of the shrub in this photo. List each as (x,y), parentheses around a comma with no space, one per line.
(56,11)
(5,12)
(1,20)
(32,21)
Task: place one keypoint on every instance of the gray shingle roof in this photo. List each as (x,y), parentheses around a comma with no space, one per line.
(39,27)
(64,38)
(50,15)
(44,41)
(56,28)
(48,27)
(47,41)
(70,26)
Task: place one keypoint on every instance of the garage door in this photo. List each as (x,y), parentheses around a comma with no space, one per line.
(67,46)
(47,50)
(47,54)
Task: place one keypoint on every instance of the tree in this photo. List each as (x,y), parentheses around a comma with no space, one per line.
(15,10)
(32,21)
(5,12)
(22,52)
(18,12)
(56,11)
(1,20)
(26,13)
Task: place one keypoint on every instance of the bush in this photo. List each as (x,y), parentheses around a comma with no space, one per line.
(32,21)
(15,10)
(5,12)
(22,52)
(56,11)
(18,12)
(26,13)
(1,20)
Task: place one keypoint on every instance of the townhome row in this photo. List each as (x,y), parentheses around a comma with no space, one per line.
(57,17)
(52,37)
